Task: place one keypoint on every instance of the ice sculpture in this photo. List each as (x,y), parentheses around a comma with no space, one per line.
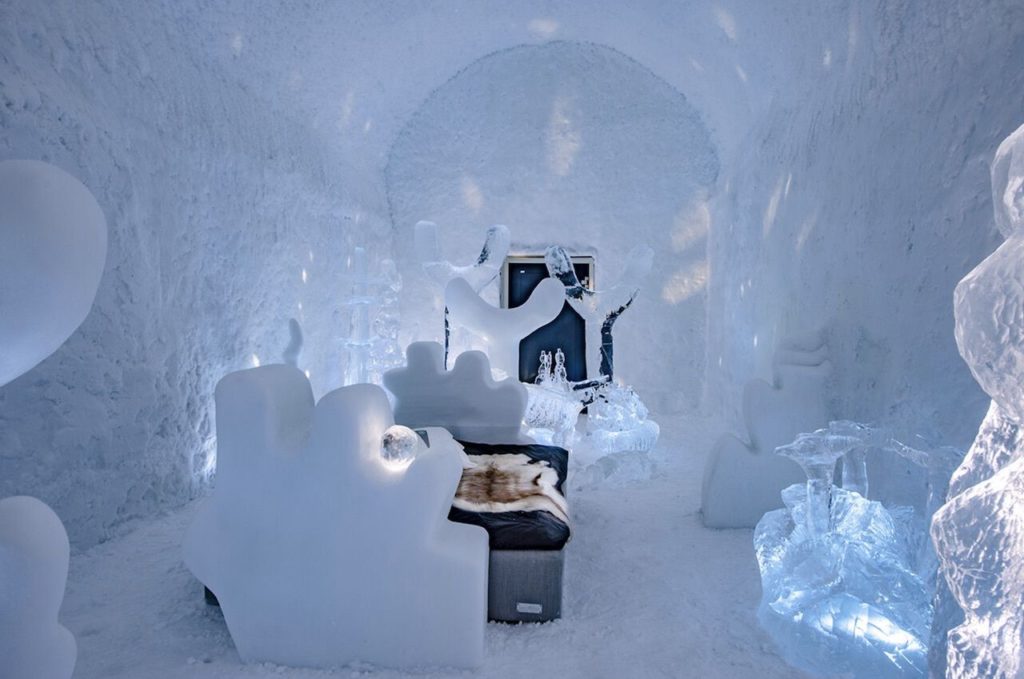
(847,601)
(600,309)
(617,422)
(321,551)
(744,480)
(817,454)
(53,246)
(34,554)
(979,532)
(553,404)
(466,400)
(372,343)
(294,348)
(478,274)
(499,331)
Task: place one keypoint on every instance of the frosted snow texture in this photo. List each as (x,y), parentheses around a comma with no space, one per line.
(323,553)
(743,480)
(496,331)
(53,246)
(464,400)
(979,532)
(600,309)
(34,554)
(848,601)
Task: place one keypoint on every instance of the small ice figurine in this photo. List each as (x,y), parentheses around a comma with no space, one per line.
(544,374)
(817,454)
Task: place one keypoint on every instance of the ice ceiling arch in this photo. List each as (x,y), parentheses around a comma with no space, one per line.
(571,143)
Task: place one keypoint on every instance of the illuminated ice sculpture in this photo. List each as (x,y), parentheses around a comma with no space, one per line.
(498,332)
(479,273)
(326,538)
(979,532)
(372,343)
(53,248)
(841,593)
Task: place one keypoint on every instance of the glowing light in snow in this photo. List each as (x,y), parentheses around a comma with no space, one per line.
(472,196)
(543,28)
(305,276)
(255,361)
(691,226)
(563,139)
(686,283)
(726,22)
(237,44)
(741,73)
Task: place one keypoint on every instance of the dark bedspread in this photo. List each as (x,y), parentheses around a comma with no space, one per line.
(521,529)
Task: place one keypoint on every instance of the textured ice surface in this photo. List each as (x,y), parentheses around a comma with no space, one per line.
(979,532)
(53,247)
(290,356)
(979,537)
(464,400)
(743,480)
(600,309)
(817,453)
(496,331)
(848,601)
(34,555)
(321,551)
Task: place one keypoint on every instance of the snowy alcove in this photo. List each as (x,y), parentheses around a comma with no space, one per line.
(813,181)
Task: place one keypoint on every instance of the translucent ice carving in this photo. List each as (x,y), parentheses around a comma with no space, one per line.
(817,454)
(498,332)
(978,533)
(600,309)
(372,343)
(33,571)
(617,421)
(744,480)
(847,601)
(53,245)
(553,404)
(321,551)
(478,274)
(464,400)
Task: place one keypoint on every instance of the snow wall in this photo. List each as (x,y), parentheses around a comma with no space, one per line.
(226,145)
(225,214)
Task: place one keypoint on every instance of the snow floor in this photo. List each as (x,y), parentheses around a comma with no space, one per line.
(649,592)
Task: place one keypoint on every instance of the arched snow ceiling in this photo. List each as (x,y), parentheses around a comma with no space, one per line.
(576,144)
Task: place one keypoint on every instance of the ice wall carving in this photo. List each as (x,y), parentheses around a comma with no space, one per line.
(464,400)
(372,343)
(34,554)
(744,480)
(600,309)
(53,246)
(321,551)
(979,532)
(498,332)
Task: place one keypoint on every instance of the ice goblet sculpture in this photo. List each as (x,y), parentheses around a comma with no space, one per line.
(817,454)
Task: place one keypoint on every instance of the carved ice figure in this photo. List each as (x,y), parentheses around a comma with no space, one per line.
(600,309)
(743,480)
(372,342)
(847,601)
(478,274)
(321,551)
(817,454)
(34,554)
(497,331)
(466,399)
(53,246)
(617,422)
(553,405)
(979,532)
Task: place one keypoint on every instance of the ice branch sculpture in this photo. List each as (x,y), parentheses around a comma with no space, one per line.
(600,309)
(553,405)
(817,454)
(979,532)
(478,274)
(34,555)
(326,539)
(743,480)
(464,400)
(499,331)
(53,248)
